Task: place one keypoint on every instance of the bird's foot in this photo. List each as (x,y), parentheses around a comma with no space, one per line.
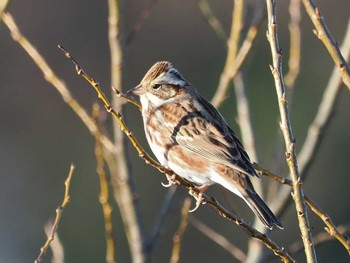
(171,180)
(198,196)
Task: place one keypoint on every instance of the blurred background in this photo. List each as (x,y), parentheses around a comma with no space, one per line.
(40,135)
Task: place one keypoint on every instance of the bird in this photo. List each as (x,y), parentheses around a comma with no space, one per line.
(188,135)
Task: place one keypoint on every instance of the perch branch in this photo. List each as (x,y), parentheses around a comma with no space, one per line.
(298,193)
(59,212)
(285,257)
(322,32)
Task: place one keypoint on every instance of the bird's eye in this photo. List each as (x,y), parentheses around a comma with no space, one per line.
(156,86)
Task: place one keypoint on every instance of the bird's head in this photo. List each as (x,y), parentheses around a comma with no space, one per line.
(161,84)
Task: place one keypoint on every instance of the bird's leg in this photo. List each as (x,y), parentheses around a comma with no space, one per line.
(171,180)
(198,196)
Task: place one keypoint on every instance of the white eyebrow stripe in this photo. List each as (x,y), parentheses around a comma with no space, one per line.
(170,77)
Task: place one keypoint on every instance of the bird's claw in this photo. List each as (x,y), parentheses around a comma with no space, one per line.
(198,196)
(171,181)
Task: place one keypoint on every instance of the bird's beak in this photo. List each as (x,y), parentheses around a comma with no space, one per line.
(138,91)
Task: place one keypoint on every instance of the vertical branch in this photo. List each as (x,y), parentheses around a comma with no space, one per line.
(104,194)
(327,39)
(298,193)
(318,126)
(121,180)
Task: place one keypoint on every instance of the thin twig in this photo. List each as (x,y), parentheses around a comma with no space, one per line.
(218,238)
(177,238)
(285,257)
(51,77)
(322,32)
(124,196)
(331,228)
(104,194)
(298,193)
(319,239)
(59,212)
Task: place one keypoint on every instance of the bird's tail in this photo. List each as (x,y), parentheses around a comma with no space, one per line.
(261,210)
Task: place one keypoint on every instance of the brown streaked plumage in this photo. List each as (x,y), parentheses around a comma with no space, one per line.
(188,135)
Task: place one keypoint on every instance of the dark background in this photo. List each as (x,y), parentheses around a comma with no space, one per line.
(40,136)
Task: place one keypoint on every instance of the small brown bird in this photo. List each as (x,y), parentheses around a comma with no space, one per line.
(188,135)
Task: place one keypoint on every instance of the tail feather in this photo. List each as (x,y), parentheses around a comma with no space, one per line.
(262,211)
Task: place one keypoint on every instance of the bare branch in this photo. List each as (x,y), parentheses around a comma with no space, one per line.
(104,194)
(59,212)
(50,77)
(323,33)
(298,193)
(124,195)
(330,226)
(319,239)
(177,238)
(318,126)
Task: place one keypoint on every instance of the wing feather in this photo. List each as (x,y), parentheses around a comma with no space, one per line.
(211,138)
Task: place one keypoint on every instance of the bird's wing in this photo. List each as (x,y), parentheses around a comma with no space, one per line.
(206,133)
